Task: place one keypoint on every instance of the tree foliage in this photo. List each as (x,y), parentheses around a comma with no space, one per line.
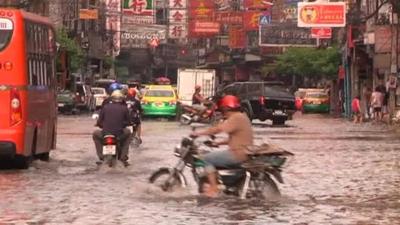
(308,62)
(75,53)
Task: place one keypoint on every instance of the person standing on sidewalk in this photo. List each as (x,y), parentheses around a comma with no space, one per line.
(377,103)
(355,107)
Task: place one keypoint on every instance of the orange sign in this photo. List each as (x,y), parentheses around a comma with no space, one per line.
(330,14)
(88,14)
(251,20)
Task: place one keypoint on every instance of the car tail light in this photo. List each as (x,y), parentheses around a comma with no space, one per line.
(109,140)
(262,100)
(15,106)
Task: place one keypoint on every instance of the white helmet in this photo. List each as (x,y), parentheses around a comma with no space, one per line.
(117,96)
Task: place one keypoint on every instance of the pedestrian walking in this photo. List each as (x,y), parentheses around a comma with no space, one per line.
(367,103)
(377,103)
(355,107)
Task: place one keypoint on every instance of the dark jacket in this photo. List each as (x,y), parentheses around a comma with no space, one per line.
(135,109)
(114,117)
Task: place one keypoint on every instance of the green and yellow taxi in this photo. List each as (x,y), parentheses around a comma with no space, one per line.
(316,101)
(159,100)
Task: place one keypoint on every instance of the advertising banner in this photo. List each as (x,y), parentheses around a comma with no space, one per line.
(237,37)
(229,17)
(329,14)
(251,20)
(139,36)
(285,35)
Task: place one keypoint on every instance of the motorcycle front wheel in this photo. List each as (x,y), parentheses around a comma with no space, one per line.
(268,189)
(185,119)
(166,179)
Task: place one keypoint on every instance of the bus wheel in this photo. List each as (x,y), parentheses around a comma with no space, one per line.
(23,162)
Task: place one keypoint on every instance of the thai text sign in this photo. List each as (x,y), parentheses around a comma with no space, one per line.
(321,33)
(139,36)
(229,17)
(258,4)
(285,35)
(88,14)
(330,14)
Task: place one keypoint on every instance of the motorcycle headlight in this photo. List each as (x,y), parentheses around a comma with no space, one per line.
(178,150)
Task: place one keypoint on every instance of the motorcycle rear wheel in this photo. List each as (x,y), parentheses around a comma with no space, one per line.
(166,179)
(109,159)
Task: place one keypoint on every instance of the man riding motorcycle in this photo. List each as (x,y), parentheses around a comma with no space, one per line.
(113,119)
(135,110)
(238,126)
(198,101)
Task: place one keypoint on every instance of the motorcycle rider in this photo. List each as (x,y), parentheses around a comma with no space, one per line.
(113,119)
(198,101)
(238,126)
(135,111)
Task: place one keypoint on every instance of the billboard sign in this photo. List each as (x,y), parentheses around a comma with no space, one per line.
(229,17)
(329,14)
(137,36)
(285,35)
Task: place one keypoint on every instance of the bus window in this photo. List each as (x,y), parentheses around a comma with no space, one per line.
(6,30)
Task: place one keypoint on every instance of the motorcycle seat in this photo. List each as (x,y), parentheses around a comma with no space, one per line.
(266,149)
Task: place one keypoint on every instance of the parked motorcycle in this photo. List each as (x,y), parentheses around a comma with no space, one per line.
(190,114)
(252,179)
(111,149)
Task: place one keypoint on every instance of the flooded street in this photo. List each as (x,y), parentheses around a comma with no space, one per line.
(341,174)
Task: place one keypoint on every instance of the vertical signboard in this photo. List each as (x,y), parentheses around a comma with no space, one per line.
(177,19)
(237,37)
(113,23)
(251,20)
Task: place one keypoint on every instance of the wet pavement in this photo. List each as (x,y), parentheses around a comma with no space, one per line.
(341,174)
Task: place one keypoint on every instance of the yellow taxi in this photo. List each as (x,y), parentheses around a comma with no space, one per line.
(159,100)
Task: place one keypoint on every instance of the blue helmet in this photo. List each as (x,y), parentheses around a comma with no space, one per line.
(114,86)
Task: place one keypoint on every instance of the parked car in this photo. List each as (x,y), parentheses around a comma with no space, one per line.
(99,94)
(159,100)
(66,101)
(84,97)
(316,101)
(263,100)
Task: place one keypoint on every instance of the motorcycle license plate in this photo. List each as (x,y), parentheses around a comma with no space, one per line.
(109,149)
(278,112)
(60,105)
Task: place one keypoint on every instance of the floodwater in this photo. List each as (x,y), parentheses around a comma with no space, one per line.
(341,174)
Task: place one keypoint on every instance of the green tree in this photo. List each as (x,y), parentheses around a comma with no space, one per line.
(75,53)
(307,62)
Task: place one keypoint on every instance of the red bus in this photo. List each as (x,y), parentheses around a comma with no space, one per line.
(28,107)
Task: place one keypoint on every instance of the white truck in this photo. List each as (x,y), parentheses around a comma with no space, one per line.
(189,78)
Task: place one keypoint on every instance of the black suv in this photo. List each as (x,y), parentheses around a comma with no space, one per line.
(263,100)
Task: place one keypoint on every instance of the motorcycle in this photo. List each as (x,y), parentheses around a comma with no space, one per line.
(190,114)
(135,140)
(252,179)
(111,149)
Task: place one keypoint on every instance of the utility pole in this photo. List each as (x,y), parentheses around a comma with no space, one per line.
(394,62)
